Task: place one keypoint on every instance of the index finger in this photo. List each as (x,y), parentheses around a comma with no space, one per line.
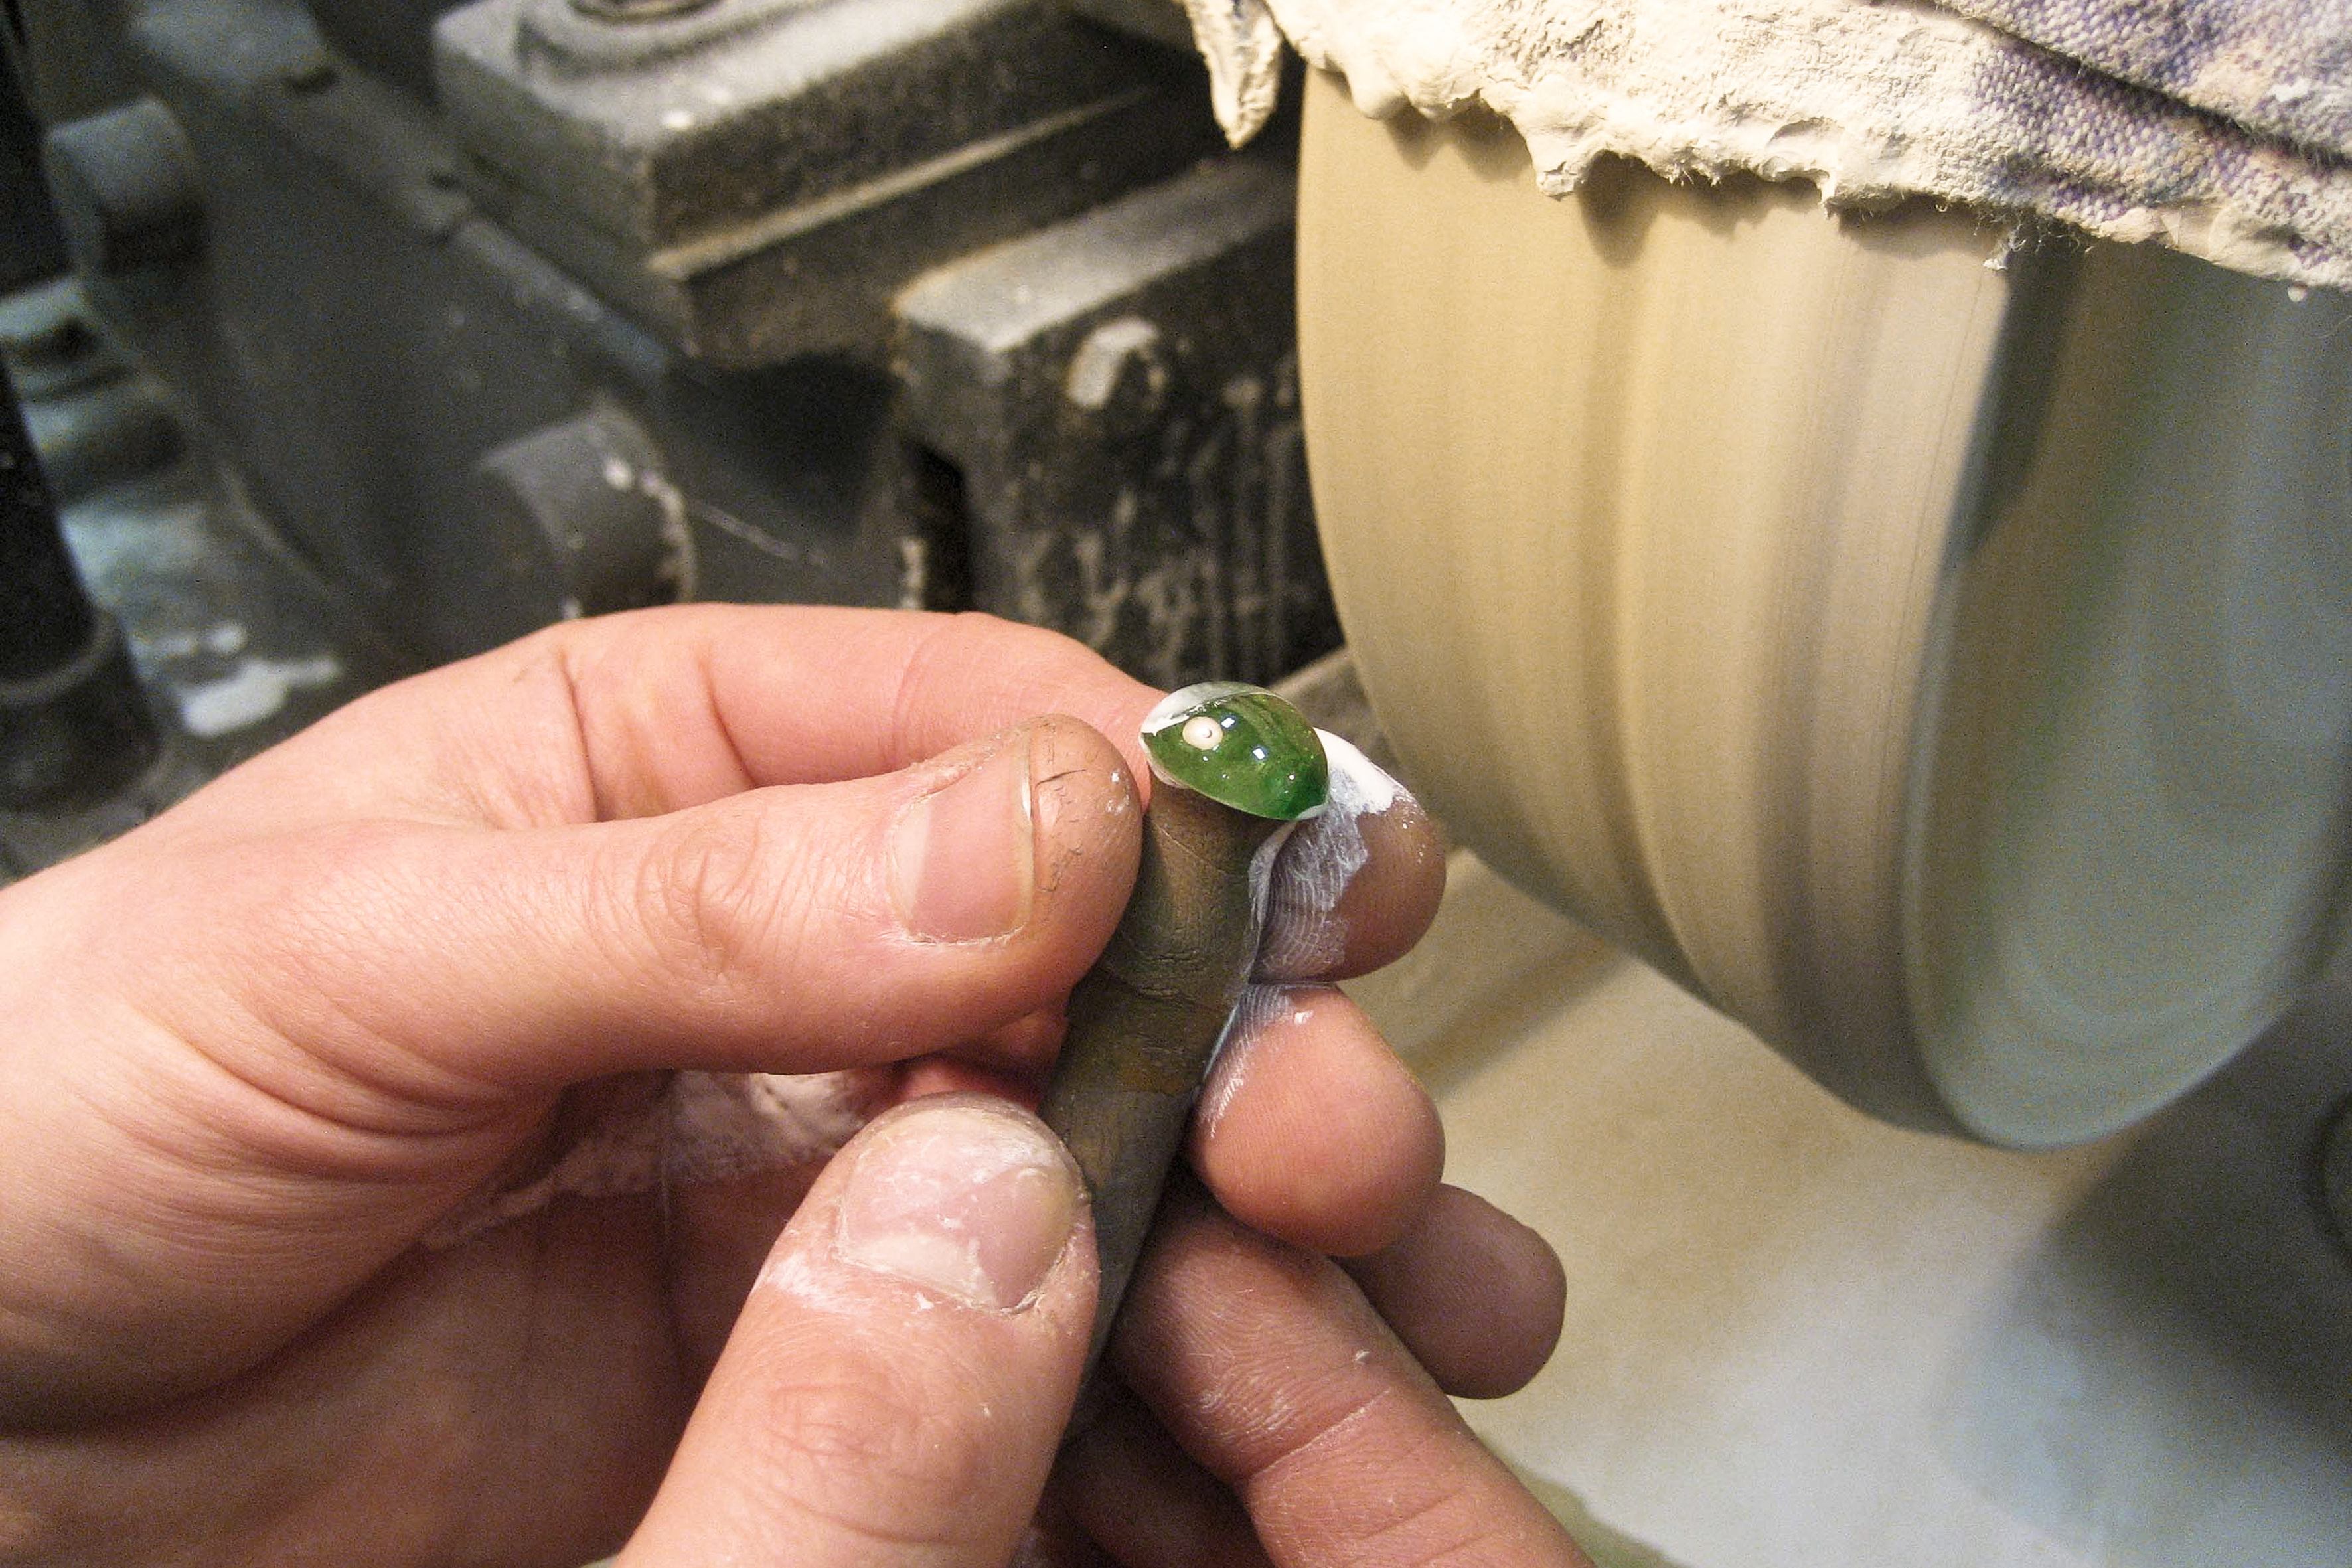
(658,710)
(841,694)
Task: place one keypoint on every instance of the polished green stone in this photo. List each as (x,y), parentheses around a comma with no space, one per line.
(1244,747)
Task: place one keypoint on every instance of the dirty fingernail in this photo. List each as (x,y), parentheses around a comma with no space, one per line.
(964,860)
(974,1201)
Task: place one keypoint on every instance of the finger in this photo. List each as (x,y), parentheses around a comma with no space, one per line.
(1310,1130)
(836,694)
(1270,1369)
(657,710)
(1355,886)
(1127,1484)
(1476,1295)
(793,930)
(897,1383)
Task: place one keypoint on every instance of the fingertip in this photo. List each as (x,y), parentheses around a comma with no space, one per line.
(1390,909)
(1477,1296)
(929,1075)
(1030,833)
(963,1194)
(1312,1130)
(904,1365)
(1334,927)
(1025,1047)
(1089,817)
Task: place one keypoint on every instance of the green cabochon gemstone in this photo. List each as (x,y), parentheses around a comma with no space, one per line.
(1240,746)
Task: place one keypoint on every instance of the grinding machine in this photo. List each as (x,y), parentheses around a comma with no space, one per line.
(1892,685)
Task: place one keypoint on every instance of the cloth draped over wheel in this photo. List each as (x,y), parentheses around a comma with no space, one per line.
(2222,128)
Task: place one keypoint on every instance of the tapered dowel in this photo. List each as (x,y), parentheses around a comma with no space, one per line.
(1145,1022)
(1235,767)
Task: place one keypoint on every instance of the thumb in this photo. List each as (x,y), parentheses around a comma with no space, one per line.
(897,1386)
(791,929)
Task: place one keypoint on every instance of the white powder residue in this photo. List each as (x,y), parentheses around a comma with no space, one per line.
(1367,787)
(705,1127)
(1305,933)
(1263,1008)
(1869,101)
(1242,46)
(799,1277)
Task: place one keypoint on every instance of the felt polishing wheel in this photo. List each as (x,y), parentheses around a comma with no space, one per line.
(1945,668)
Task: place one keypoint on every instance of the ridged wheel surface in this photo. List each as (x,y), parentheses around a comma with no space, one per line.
(1939,659)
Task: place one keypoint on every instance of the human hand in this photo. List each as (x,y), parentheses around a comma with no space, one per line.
(254,1054)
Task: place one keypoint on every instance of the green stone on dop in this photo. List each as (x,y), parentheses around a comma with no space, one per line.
(1240,746)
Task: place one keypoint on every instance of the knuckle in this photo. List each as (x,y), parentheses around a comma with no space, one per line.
(714,899)
(873,1460)
(303,915)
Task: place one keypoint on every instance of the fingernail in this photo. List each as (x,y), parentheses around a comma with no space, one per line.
(972,1200)
(963,864)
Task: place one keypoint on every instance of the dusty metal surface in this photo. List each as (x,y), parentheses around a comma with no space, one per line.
(756,179)
(356,340)
(1119,401)
(237,643)
(491,313)
(417,270)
